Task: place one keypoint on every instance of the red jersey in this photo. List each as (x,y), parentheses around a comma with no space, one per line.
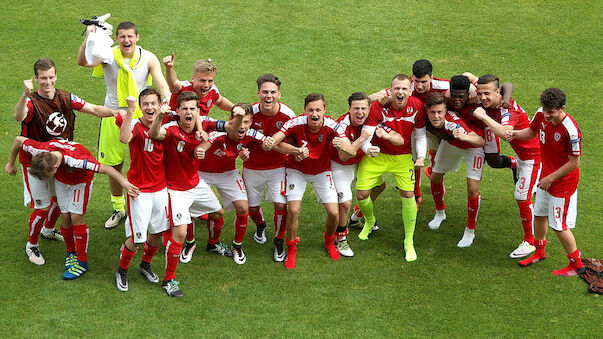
(437,85)
(557,144)
(179,160)
(466,113)
(78,165)
(453,122)
(147,171)
(260,159)
(517,118)
(403,121)
(205,103)
(352,133)
(221,156)
(318,143)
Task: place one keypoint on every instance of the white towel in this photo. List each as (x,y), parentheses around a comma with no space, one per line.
(98,46)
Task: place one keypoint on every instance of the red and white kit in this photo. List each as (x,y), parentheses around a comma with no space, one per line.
(205,103)
(437,85)
(344,172)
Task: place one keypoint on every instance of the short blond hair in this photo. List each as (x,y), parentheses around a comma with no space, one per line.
(204,66)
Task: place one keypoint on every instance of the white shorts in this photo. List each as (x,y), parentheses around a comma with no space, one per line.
(322,183)
(147,213)
(561,212)
(255,180)
(36,192)
(230,185)
(492,141)
(73,198)
(197,201)
(449,158)
(528,173)
(343,176)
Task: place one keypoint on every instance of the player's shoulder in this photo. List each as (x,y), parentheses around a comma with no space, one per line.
(186,86)
(414,102)
(286,110)
(440,84)
(344,119)
(215,136)
(570,125)
(214,89)
(255,107)
(296,121)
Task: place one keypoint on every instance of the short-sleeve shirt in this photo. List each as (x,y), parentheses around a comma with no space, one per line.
(557,144)
(453,122)
(403,121)
(437,85)
(179,160)
(221,156)
(352,133)
(466,113)
(318,143)
(205,103)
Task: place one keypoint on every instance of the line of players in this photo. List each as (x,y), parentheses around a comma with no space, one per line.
(381,130)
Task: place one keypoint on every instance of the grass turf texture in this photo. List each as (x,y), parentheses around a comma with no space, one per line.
(335,49)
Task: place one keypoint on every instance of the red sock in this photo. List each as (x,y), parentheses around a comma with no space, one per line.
(525,212)
(204,217)
(69,239)
(215,229)
(341,232)
(280,223)
(513,162)
(437,192)
(172,258)
(36,220)
(575,260)
(472,210)
(148,252)
(538,254)
(81,233)
(166,236)
(53,214)
(125,257)
(257,215)
(291,253)
(190,232)
(431,156)
(417,183)
(333,253)
(240,227)
(358,212)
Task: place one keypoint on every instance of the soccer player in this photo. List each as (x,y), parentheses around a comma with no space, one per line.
(313,133)
(148,212)
(73,168)
(46,114)
(404,114)
(202,83)
(500,120)
(266,169)
(556,193)
(127,75)
(465,143)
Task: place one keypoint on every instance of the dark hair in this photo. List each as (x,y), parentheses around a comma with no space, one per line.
(42,165)
(149,91)
(434,98)
(460,82)
(552,98)
(268,77)
(43,64)
(401,77)
(187,96)
(314,97)
(245,106)
(421,68)
(358,96)
(126,25)
(488,78)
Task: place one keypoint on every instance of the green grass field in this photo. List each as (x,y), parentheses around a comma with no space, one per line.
(335,48)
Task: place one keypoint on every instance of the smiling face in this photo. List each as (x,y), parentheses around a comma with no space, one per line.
(315,110)
(202,82)
(149,104)
(268,93)
(489,95)
(422,84)
(436,115)
(359,110)
(46,80)
(400,91)
(186,112)
(458,98)
(127,39)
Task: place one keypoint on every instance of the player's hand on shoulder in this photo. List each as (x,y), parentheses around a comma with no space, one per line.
(384,100)
(168,61)
(244,154)
(11,169)
(27,86)
(505,104)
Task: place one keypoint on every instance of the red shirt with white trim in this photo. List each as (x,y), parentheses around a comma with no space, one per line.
(437,85)
(352,133)
(466,113)
(221,156)
(205,103)
(557,144)
(318,143)
(180,162)
(453,122)
(411,116)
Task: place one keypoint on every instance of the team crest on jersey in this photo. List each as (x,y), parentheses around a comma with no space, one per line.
(409,110)
(320,137)
(209,102)
(557,136)
(56,124)
(279,124)
(239,147)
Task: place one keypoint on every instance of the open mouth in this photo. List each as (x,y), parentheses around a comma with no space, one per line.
(314,119)
(400,98)
(268,102)
(188,118)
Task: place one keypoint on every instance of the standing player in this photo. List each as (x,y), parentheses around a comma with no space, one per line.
(73,168)
(148,212)
(313,133)
(465,143)
(46,114)
(266,169)
(405,115)
(556,193)
(127,75)
(500,120)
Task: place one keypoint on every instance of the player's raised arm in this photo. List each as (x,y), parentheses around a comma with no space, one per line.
(235,123)
(160,83)
(170,74)
(100,111)
(125,130)
(498,129)
(81,55)
(224,104)
(523,134)
(10,167)
(132,190)
(377,96)
(156,131)
(21,107)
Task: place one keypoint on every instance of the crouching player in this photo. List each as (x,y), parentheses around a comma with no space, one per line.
(556,193)
(313,132)
(147,213)
(464,144)
(73,168)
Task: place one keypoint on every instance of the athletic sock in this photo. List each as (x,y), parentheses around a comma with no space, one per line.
(69,239)
(291,253)
(81,233)
(166,236)
(172,258)
(333,252)
(526,213)
(437,192)
(409,217)
(472,210)
(240,227)
(357,214)
(574,268)
(118,202)
(538,254)
(125,257)
(366,206)
(418,185)
(280,223)
(53,214)
(341,232)
(257,215)
(36,220)
(215,229)
(190,232)
(148,252)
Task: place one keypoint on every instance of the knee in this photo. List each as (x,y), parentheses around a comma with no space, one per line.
(361,195)
(241,209)
(280,207)
(217,215)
